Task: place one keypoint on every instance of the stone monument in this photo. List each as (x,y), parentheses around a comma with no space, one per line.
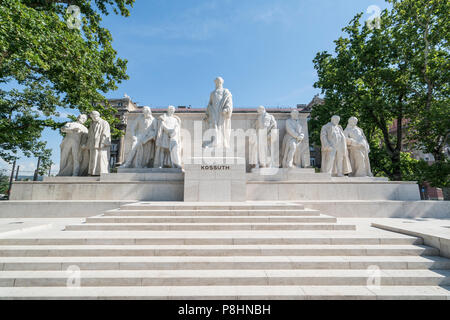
(144,133)
(99,144)
(335,159)
(262,148)
(74,160)
(358,148)
(168,141)
(292,144)
(218,116)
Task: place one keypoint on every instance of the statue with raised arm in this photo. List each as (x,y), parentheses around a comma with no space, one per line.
(358,148)
(335,158)
(218,116)
(262,151)
(291,149)
(168,141)
(99,145)
(71,147)
(144,133)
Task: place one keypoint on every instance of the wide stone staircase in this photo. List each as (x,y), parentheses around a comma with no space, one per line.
(220,251)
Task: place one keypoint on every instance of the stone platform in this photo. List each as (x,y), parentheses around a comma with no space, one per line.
(189,251)
(341,197)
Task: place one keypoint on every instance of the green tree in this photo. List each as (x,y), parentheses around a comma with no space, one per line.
(377,75)
(45,66)
(425,25)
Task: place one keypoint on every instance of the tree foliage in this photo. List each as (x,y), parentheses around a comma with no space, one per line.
(393,76)
(45,67)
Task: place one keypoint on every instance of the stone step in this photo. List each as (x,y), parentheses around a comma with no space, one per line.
(213,239)
(229,293)
(211,219)
(212,206)
(225,250)
(206,226)
(200,213)
(116,278)
(224,263)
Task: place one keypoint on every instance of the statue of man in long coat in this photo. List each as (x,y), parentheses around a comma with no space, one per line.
(335,158)
(218,116)
(262,148)
(99,145)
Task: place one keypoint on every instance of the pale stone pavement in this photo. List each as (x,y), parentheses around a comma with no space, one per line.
(163,251)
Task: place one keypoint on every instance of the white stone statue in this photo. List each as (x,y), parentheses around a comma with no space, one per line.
(168,141)
(218,116)
(71,151)
(144,134)
(99,145)
(262,151)
(335,158)
(291,150)
(358,148)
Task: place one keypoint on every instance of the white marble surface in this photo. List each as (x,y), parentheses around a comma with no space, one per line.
(215,180)
(434,232)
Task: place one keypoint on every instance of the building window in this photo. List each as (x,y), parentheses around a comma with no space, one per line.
(313,162)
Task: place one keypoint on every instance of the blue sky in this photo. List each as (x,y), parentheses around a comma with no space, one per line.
(262,48)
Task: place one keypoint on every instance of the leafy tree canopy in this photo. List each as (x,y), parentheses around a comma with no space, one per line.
(395,76)
(45,66)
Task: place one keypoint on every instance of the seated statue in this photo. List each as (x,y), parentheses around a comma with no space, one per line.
(168,141)
(358,149)
(262,144)
(335,160)
(71,148)
(144,133)
(292,142)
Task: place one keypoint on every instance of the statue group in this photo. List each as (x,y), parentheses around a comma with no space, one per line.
(156,143)
(85,151)
(345,152)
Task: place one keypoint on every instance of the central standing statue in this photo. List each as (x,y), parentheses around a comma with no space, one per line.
(218,116)
(168,141)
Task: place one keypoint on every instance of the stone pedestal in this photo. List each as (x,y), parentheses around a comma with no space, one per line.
(144,174)
(215,180)
(282,174)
